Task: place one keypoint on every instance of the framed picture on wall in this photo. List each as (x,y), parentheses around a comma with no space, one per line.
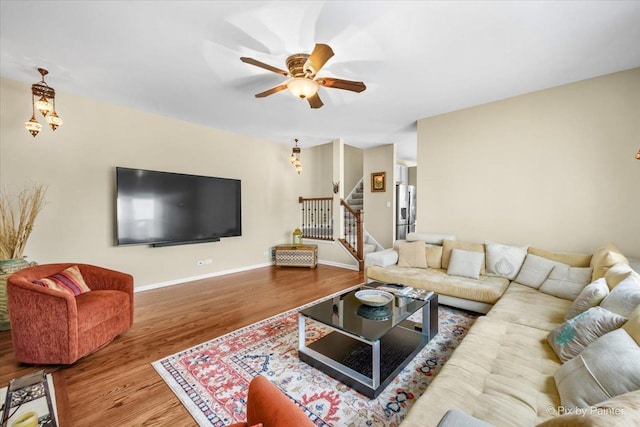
(378,181)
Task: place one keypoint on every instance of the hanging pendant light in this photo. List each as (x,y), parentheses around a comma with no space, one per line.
(295,157)
(46,104)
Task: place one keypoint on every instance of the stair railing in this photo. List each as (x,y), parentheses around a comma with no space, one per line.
(317,218)
(353,232)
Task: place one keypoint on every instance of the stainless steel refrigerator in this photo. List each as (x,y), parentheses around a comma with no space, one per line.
(405,210)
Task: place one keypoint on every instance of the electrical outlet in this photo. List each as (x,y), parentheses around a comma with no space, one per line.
(200,262)
(208,261)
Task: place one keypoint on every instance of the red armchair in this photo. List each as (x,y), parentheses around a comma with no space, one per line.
(54,327)
(268,406)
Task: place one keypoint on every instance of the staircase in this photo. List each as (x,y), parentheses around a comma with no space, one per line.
(317,223)
(355,200)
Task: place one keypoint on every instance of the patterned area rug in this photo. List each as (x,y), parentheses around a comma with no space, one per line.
(212,379)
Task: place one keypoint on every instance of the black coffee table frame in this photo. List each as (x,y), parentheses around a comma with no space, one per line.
(366,354)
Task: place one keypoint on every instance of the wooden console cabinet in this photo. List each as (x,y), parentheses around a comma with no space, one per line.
(297,256)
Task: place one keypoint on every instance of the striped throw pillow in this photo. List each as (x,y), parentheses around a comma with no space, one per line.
(69,280)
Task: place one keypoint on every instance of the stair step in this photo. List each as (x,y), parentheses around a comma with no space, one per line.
(368,248)
(358,196)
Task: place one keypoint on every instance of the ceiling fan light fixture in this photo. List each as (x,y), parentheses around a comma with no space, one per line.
(302,87)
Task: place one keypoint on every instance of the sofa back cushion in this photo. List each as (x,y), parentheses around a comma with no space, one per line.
(450,245)
(566,282)
(434,256)
(571,259)
(604,258)
(633,325)
(430,238)
(617,273)
(535,270)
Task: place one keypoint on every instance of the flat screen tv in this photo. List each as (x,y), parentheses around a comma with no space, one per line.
(163,208)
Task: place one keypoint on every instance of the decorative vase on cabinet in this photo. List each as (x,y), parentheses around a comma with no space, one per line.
(7,268)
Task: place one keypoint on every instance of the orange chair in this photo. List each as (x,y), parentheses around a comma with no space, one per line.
(49,326)
(268,406)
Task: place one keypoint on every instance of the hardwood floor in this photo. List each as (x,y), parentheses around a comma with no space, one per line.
(117,386)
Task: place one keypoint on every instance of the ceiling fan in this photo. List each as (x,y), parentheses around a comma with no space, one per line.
(303,82)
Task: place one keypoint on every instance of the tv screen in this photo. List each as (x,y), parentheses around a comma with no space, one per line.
(163,208)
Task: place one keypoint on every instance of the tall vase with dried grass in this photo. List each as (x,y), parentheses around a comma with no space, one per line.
(17,215)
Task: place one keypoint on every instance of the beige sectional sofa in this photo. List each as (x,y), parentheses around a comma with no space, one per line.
(506,371)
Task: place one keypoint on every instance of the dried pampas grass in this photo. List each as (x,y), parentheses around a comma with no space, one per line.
(17,216)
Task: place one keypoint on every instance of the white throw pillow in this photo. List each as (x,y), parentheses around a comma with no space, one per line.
(535,270)
(608,367)
(566,282)
(571,337)
(465,263)
(590,296)
(504,260)
(624,298)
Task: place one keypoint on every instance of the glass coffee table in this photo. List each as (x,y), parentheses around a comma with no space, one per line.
(368,345)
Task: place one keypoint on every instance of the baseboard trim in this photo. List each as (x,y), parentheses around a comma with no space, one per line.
(200,277)
(225,272)
(339,265)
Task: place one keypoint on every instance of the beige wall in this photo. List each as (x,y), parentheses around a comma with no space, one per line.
(380,206)
(317,163)
(352,167)
(554,168)
(77,164)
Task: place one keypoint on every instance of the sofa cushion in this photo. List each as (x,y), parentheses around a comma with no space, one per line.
(608,367)
(431,238)
(617,273)
(69,280)
(504,260)
(412,254)
(633,325)
(465,263)
(525,306)
(566,282)
(621,411)
(535,270)
(457,418)
(501,373)
(449,245)
(486,289)
(572,259)
(434,256)
(590,296)
(604,258)
(381,258)
(570,338)
(625,297)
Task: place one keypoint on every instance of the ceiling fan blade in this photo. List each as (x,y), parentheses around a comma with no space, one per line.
(320,55)
(271,91)
(341,84)
(315,101)
(263,65)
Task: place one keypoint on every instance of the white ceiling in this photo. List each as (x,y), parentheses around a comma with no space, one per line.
(418,59)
